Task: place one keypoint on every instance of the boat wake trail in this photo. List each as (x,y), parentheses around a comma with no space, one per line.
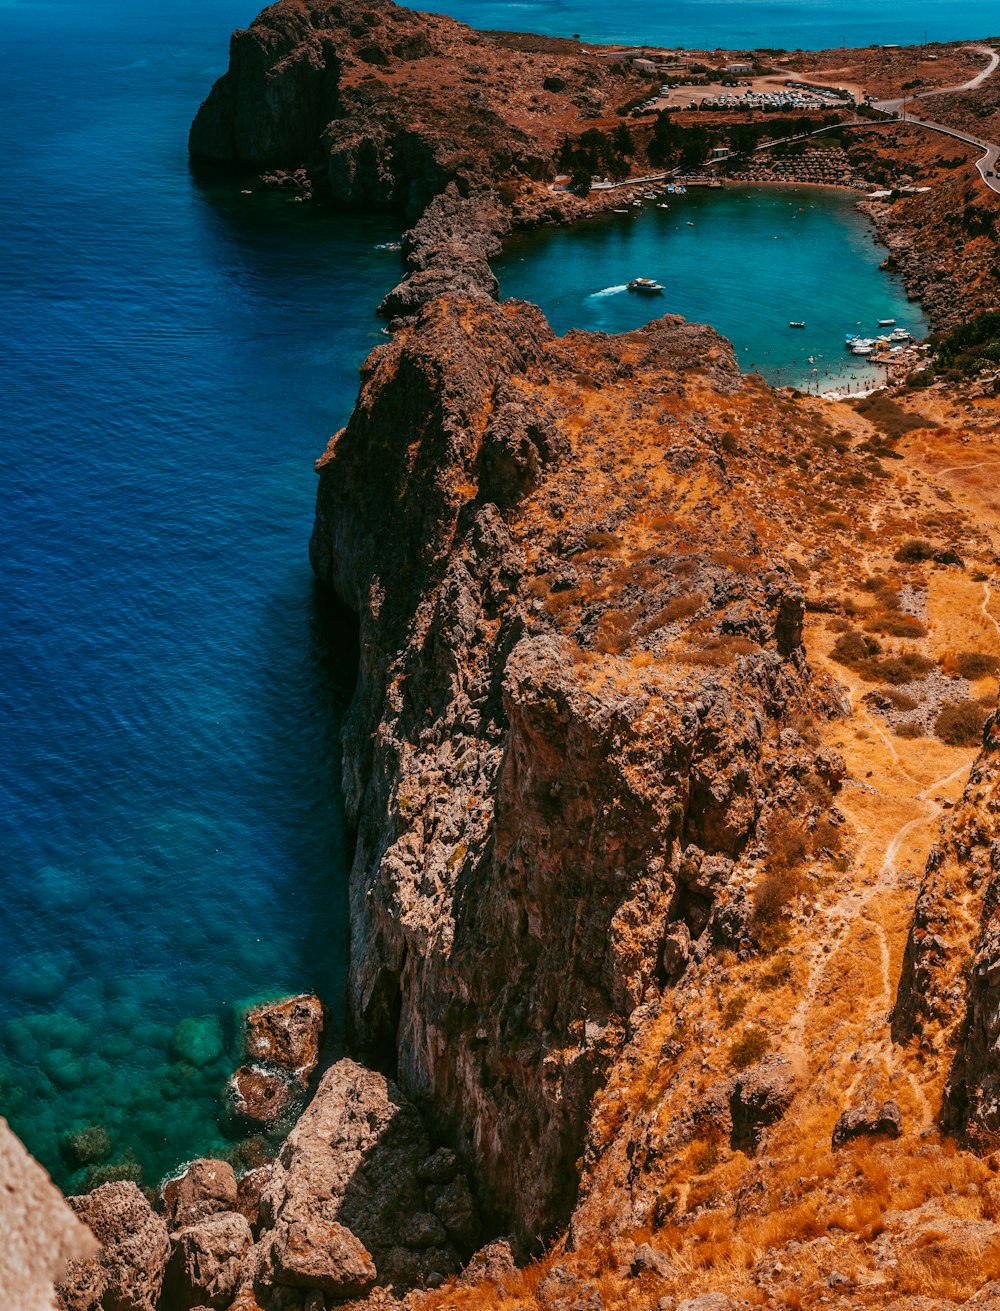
(608,291)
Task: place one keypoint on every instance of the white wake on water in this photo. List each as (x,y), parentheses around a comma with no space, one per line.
(608,291)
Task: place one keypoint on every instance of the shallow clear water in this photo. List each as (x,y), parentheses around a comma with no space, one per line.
(755,258)
(174,359)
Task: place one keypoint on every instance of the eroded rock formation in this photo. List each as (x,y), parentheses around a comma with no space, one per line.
(384,107)
(573,676)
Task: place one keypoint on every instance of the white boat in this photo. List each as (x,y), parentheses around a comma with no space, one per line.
(619,211)
(862,346)
(796,323)
(690,224)
(899,334)
(887,323)
(646,286)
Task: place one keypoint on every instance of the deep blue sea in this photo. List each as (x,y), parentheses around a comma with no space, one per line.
(174,357)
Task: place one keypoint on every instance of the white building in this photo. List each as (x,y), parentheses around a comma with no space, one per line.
(738,68)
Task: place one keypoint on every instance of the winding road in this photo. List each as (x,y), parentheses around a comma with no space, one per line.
(987,165)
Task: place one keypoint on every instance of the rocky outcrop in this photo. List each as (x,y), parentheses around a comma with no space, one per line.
(41,1235)
(281,1041)
(870,1120)
(127,1273)
(525,798)
(286,1034)
(385,107)
(949,991)
(448,253)
(356,1197)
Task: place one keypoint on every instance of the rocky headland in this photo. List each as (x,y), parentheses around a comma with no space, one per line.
(666,682)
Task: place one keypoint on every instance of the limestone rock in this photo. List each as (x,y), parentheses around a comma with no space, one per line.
(321,1255)
(650,1260)
(127,1274)
(869,1120)
(760,1096)
(205,1188)
(354,1162)
(493,1263)
(286,1034)
(206,1261)
(502,945)
(41,1235)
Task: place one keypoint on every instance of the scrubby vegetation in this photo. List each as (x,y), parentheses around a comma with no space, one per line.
(960,722)
(970,347)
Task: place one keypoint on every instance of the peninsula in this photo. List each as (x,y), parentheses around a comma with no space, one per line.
(673,758)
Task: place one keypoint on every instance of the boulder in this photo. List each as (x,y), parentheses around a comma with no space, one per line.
(493,1263)
(206,1261)
(870,1120)
(205,1188)
(127,1274)
(353,1162)
(286,1034)
(259,1096)
(760,1096)
(650,1260)
(324,1256)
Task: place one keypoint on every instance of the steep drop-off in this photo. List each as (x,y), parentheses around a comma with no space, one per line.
(579,643)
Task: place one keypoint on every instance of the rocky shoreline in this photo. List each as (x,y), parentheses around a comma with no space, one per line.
(584,722)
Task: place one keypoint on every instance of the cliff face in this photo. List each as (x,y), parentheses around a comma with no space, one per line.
(385,106)
(949,995)
(577,647)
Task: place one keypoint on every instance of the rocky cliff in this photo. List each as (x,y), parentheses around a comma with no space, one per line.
(579,643)
(385,106)
(949,994)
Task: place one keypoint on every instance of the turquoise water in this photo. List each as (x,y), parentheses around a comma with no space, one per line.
(174,358)
(736,24)
(745,259)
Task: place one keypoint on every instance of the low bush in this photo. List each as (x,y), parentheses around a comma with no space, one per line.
(751,1047)
(897,626)
(974,664)
(914,550)
(960,723)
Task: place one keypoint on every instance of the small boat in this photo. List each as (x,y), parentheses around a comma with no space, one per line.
(690,224)
(887,323)
(899,334)
(619,211)
(796,323)
(663,205)
(637,204)
(646,286)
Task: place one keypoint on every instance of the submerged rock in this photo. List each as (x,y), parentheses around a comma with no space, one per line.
(87,1146)
(198,1042)
(286,1034)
